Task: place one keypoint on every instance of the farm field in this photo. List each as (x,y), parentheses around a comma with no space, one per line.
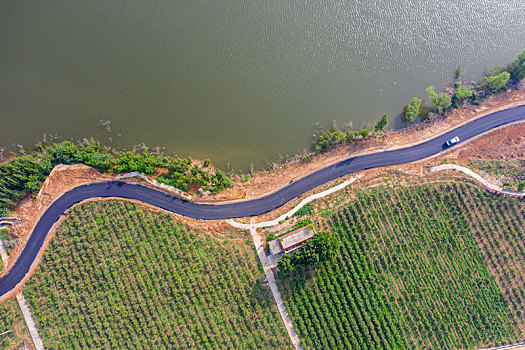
(13,330)
(429,266)
(119,275)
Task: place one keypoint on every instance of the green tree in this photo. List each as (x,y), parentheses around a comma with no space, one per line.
(462,93)
(517,67)
(326,245)
(380,125)
(412,110)
(285,264)
(323,247)
(439,101)
(364,133)
(495,82)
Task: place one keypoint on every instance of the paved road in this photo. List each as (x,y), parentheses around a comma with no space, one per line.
(246,208)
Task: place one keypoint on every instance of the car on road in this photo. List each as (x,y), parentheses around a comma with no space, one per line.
(452,141)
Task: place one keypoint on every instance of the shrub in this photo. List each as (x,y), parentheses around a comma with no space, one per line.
(462,93)
(439,101)
(412,110)
(516,68)
(380,125)
(494,83)
(364,133)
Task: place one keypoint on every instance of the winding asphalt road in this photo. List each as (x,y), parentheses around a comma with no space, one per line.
(246,208)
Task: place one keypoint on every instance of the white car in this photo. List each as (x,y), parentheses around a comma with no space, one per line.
(452,141)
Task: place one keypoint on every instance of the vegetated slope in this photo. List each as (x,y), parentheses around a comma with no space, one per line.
(118,275)
(410,275)
(13,330)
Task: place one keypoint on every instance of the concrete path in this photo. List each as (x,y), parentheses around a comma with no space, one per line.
(517,346)
(269,264)
(275,291)
(296,208)
(19,272)
(478,178)
(30,322)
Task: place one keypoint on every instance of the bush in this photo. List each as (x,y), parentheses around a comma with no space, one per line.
(440,101)
(380,125)
(411,111)
(364,133)
(516,68)
(462,93)
(494,83)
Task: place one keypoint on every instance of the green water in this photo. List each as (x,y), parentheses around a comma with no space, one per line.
(236,81)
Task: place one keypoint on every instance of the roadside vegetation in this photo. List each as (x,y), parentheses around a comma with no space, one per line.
(118,275)
(495,80)
(335,135)
(25,174)
(424,266)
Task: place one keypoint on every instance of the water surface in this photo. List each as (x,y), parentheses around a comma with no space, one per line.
(236,81)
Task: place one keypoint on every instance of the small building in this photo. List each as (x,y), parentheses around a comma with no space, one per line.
(291,241)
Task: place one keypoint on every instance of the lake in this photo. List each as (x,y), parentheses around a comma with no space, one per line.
(237,81)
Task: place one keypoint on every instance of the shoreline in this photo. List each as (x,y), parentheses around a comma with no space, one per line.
(91,176)
(270,180)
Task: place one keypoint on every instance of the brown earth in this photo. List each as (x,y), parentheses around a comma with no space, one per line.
(500,143)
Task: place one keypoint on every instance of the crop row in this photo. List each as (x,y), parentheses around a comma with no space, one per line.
(410,275)
(120,276)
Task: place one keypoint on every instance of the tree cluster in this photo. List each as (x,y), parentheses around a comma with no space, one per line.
(494,81)
(323,247)
(25,174)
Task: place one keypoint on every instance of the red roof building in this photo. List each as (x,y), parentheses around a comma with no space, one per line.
(294,239)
